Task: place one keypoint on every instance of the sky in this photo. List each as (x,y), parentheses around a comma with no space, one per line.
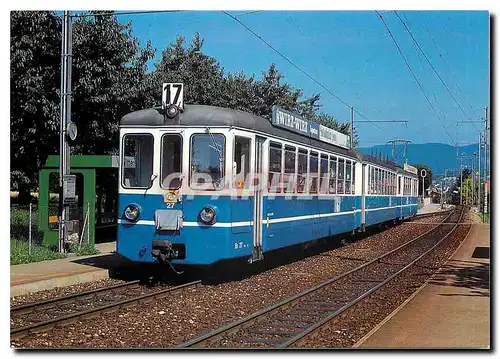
(352,54)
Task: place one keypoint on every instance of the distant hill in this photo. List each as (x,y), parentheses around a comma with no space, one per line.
(438,156)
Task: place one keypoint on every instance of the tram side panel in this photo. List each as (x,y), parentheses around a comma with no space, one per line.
(289,221)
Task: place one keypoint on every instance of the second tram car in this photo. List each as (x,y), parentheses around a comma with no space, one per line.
(211,183)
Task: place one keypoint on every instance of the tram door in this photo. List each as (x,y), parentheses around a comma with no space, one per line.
(257,216)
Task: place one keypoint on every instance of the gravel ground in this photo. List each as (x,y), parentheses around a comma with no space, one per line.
(346,330)
(81,304)
(193,311)
(61,291)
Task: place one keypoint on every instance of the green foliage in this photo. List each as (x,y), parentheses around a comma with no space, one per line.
(83,250)
(19,225)
(19,253)
(34,99)
(110,78)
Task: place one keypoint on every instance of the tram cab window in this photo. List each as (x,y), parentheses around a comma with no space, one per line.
(313,172)
(353,177)
(207,161)
(171,159)
(289,176)
(241,162)
(275,152)
(348,177)
(341,176)
(323,169)
(333,174)
(137,160)
(301,170)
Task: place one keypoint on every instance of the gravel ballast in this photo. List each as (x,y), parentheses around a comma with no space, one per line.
(192,311)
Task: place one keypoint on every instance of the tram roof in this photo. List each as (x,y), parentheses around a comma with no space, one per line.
(201,115)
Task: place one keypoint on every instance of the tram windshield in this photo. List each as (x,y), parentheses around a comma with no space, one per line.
(207,161)
(137,160)
(171,159)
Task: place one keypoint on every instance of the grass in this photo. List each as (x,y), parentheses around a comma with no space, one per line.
(19,248)
(19,253)
(84,250)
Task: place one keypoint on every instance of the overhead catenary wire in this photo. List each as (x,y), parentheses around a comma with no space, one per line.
(303,71)
(127,13)
(441,56)
(413,74)
(430,64)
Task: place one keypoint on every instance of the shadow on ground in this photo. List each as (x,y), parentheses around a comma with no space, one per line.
(465,274)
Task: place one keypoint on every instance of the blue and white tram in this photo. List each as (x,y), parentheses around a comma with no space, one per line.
(212,183)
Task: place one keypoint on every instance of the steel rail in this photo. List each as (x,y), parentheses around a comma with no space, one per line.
(29,307)
(21,331)
(317,326)
(248,320)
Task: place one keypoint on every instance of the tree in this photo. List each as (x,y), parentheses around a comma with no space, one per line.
(35,59)
(459,187)
(427,178)
(109,79)
(201,74)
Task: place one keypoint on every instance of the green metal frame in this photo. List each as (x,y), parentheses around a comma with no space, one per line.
(85,165)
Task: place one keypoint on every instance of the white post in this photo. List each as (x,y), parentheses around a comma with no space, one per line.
(29,234)
(88,223)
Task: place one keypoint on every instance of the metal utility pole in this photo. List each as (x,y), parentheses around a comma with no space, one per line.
(461,180)
(352,127)
(473,182)
(405,148)
(485,210)
(64,151)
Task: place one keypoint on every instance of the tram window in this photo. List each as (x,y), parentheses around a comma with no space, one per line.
(379,181)
(207,161)
(241,165)
(341,176)
(333,174)
(275,152)
(171,159)
(372,180)
(399,185)
(301,170)
(386,183)
(347,177)
(313,172)
(323,170)
(137,160)
(353,177)
(289,176)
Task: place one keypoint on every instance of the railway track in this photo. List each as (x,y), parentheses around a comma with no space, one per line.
(288,322)
(44,315)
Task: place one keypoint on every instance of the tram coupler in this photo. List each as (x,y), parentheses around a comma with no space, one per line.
(164,253)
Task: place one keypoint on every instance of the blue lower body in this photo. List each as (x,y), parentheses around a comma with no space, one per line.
(285,222)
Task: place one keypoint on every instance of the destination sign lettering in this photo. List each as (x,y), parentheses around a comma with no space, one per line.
(290,121)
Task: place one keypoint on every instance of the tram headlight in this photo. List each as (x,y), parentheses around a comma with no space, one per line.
(132,212)
(207,215)
(172,111)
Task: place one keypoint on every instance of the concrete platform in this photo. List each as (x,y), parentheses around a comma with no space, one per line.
(33,277)
(452,310)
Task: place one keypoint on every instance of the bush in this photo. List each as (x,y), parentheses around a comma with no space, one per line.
(84,250)
(19,225)
(19,253)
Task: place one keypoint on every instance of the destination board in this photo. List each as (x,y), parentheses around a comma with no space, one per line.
(295,123)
